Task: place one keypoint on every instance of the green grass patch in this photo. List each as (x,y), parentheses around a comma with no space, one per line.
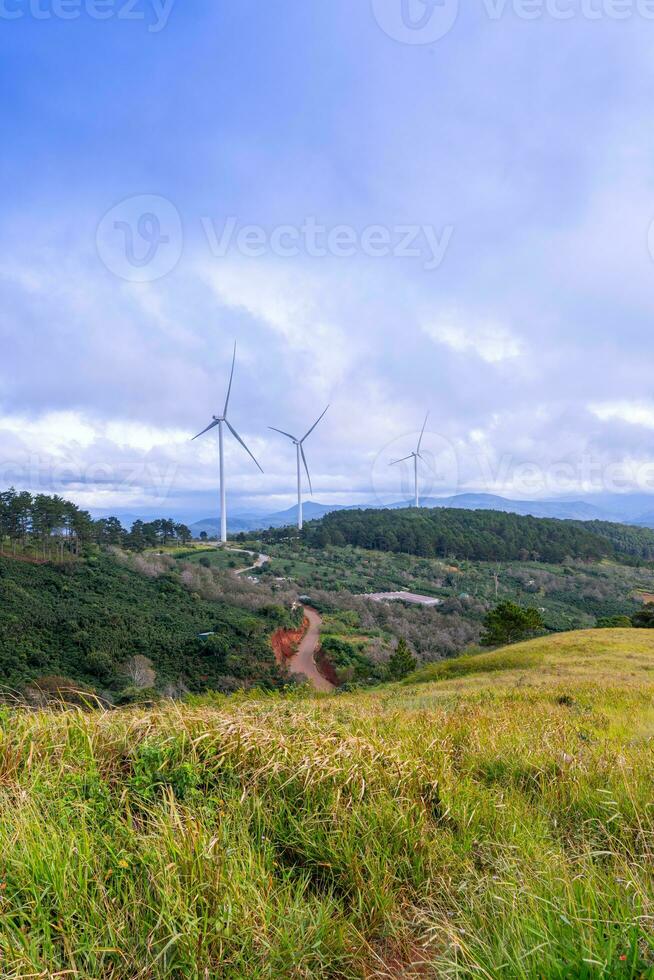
(502,832)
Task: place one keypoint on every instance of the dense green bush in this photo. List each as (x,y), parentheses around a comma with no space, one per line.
(613,622)
(83,620)
(644,619)
(350,661)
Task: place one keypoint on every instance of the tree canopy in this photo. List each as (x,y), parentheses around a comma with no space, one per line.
(475,535)
(402,662)
(54,527)
(510,623)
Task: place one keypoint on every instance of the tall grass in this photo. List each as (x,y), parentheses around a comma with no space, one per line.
(397,834)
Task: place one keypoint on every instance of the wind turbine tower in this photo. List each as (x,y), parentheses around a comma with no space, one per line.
(221,421)
(301,459)
(415,456)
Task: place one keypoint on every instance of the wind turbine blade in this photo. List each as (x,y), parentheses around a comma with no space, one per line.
(314,425)
(427,464)
(403,460)
(304,460)
(231,378)
(212,426)
(422,434)
(238,438)
(281,432)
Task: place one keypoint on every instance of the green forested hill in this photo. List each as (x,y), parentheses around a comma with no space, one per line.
(85,619)
(477,535)
(626,539)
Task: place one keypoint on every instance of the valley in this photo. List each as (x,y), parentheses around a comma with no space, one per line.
(571,595)
(200,617)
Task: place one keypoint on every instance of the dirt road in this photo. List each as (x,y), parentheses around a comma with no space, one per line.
(303,662)
(261,560)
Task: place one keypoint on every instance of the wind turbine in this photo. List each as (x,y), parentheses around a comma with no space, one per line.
(221,421)
(299,452)
(415,456)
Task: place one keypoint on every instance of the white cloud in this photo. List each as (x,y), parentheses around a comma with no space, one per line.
(52,432)
(491,341)
(295,305)
(633,412)
(55,432)
(133,435)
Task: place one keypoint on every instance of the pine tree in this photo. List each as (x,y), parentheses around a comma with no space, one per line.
(402,663)
(510,623)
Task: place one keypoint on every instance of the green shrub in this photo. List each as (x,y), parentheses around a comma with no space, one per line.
(644,619)
(84,620)
(614,622)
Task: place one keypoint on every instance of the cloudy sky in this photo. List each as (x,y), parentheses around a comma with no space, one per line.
(392,206)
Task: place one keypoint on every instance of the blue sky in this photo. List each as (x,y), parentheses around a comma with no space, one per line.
(386,216)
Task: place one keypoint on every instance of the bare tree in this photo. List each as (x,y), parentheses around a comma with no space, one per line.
(140,671)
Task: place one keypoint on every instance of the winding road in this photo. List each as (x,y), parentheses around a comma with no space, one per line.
(304,660)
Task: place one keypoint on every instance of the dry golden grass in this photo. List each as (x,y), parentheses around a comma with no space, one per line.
(619,657)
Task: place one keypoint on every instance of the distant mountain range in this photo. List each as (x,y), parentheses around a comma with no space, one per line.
(620,509)
(646,520)
(576,510)
(258,522)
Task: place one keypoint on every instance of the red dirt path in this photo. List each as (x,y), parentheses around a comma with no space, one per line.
(285,643)
(300,651)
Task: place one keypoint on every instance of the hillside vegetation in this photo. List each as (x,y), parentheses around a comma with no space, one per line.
(479,535)
(570,596)
(87,619)
(435,829)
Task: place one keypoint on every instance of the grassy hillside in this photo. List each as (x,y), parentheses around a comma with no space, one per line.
(86,619)
(435,829)
(618,656)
